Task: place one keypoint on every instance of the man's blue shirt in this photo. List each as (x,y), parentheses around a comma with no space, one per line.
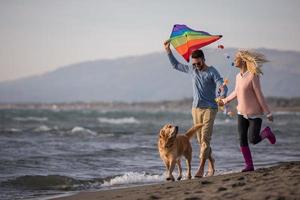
(204,82)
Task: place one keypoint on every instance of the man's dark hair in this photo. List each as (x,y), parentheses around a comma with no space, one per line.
(198,54)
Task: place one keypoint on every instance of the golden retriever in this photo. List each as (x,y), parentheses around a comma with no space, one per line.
(172,146)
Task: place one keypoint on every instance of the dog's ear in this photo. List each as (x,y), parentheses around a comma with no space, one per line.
(161,133)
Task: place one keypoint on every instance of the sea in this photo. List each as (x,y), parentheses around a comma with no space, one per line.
(46,153)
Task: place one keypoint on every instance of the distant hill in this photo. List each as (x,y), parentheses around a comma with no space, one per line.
(144,78)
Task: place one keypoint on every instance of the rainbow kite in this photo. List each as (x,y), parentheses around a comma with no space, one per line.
(186,40)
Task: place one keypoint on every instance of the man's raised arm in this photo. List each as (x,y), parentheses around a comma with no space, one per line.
(176,65)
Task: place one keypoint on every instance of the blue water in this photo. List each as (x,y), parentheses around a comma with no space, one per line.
(51,152)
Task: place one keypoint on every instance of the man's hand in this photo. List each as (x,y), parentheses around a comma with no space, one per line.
(167,46)
(220,102)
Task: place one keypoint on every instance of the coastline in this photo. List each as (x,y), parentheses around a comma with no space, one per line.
(277,182)
(276,104)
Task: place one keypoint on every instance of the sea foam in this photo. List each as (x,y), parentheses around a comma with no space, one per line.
(133,178)
(224,122)
(126,120)
(42,128)
(78,129)
(39,119)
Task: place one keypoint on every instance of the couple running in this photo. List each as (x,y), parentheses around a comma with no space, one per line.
(251,103)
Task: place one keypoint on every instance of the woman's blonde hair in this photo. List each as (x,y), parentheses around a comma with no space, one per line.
(253,60)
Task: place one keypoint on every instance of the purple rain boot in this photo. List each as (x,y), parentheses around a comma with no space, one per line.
(248,159)
(267,133)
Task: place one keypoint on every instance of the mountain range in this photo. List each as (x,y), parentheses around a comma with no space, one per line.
(145,78)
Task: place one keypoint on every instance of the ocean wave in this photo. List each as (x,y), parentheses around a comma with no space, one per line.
(48,182)
(125,120)
(42,128)
(13,130)
(133,178)
(287,113)
(65,183)
(117,147)
(78,129)
(39,119)
(224,122)
(227,171)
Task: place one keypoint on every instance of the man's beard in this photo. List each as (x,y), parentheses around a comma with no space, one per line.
(200,68)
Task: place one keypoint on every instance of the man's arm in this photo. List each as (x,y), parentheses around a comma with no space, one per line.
(231,96)
(176,65)
(220,83)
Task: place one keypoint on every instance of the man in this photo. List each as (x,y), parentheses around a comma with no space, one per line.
(205,80)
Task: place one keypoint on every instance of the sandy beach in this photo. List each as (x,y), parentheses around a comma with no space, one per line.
(277,182)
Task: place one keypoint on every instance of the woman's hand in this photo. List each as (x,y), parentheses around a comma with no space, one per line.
(270,117)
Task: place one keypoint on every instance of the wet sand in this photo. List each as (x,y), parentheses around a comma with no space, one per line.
(279,182)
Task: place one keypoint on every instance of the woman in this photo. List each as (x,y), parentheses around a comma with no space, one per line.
(251,103)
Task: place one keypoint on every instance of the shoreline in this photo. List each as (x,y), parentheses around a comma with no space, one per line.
(277,104)
(277,182)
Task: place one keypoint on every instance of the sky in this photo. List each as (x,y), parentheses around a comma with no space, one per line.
(38,36)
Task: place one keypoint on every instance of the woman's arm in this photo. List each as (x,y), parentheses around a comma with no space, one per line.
(259,95)
(232,95)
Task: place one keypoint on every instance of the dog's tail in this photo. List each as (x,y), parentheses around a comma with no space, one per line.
(193,130)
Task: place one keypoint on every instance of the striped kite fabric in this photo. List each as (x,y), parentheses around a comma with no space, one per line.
(186,40)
